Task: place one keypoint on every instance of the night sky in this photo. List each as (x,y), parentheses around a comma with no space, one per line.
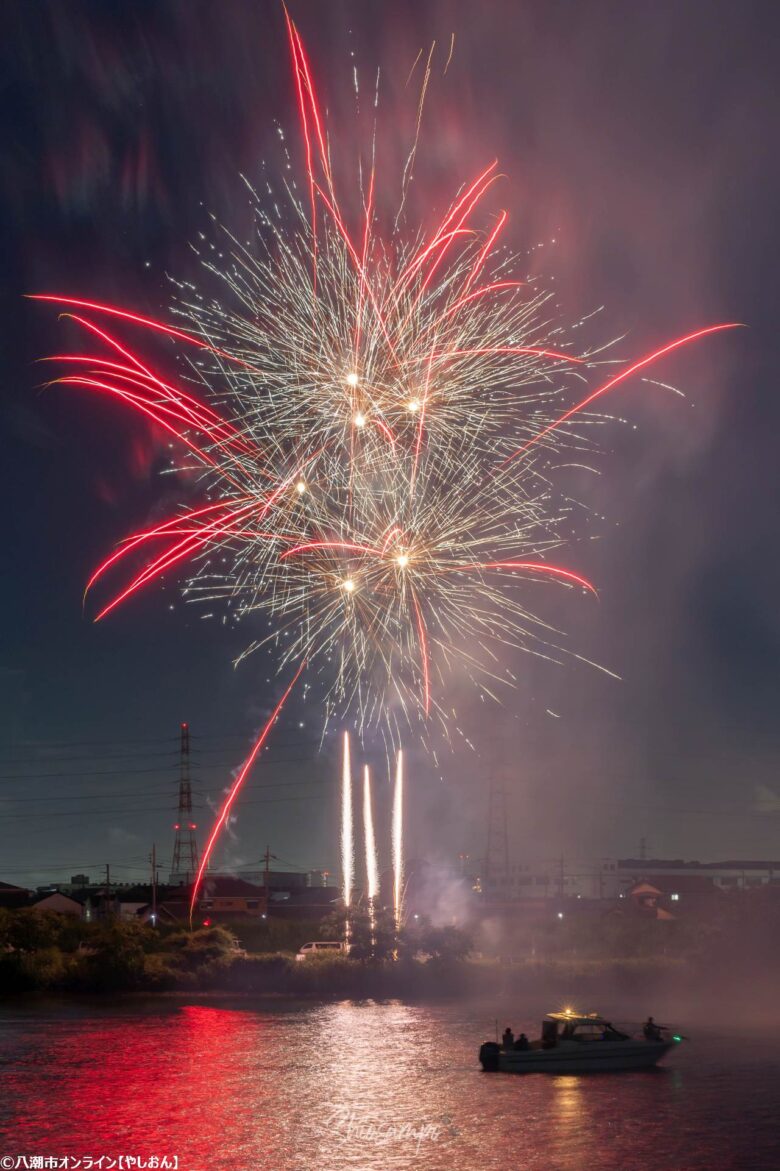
(639,142)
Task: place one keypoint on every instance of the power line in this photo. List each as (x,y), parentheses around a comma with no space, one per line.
(148,809)
(92,756)
(41,756)
(230,763)
(116,742)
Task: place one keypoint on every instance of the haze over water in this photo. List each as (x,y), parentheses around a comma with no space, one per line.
(374,1087)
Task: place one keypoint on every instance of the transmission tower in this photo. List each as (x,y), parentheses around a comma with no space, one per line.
(497,852)
(185,848)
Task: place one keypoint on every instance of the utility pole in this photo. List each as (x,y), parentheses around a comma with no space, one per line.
(108,890)
(561,878)
(154,884)
(267,875)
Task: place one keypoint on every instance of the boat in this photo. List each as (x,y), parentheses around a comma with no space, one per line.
(573,1042)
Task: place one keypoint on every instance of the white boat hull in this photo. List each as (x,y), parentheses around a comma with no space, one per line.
(574,1057)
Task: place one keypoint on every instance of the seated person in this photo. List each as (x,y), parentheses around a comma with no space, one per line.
(522,1042)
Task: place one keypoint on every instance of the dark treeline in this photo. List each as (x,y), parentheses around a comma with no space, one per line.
(732,962)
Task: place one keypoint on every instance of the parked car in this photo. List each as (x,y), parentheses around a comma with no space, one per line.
(321,947)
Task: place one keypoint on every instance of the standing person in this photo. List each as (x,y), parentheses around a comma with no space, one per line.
(508,1038)
(651,1030)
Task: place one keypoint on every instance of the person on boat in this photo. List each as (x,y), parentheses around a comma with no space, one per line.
(508,1039)
(522,1042)
(651,1030)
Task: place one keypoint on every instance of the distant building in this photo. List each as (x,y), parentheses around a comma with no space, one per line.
(616,878)
(674,875)
(277,879)
(552,878)
(222,897)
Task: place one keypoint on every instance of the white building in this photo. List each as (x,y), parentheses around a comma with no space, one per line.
(611,878)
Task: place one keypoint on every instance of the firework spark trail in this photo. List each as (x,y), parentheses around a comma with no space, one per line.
(347,829)
(621,377)
(235,788)
(398,839)
(368,421)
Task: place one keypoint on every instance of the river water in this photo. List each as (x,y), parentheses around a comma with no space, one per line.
(229,1086)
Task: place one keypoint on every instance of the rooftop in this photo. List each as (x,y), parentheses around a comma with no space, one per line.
(681,864)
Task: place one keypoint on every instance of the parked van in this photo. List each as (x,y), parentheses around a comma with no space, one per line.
(321,947)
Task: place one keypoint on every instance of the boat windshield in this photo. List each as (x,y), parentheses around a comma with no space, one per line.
(590,1032)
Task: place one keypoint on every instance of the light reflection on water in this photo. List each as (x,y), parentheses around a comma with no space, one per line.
(362,1086)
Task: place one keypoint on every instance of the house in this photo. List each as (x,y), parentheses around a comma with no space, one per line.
(219,897)
(312,902)
(60,903)
(13,897)
(668,896)
(222,897)
(145,914)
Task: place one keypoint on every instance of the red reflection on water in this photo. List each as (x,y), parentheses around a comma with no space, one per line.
(122,1087)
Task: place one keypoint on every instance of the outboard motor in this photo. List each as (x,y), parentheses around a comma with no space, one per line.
(488,1056)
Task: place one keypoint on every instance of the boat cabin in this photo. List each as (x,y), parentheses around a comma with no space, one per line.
(572,1026)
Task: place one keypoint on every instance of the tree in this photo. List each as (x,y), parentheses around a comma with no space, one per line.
(370,936)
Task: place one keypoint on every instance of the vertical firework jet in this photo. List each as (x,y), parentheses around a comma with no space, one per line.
(398,839)
(372,867)
(347,847)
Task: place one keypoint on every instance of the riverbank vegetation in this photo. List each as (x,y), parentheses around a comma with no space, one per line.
(44,951)
(47,952)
